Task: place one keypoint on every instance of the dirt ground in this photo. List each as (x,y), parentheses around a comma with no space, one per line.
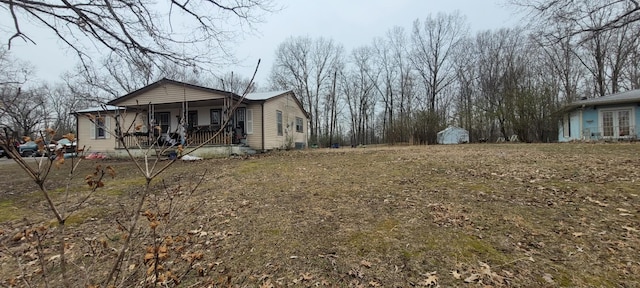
(478,215)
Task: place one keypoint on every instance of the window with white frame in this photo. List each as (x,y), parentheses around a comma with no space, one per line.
(616,122)
(249,121)
(99,128)
(299,125)
(279,123)
(100,132)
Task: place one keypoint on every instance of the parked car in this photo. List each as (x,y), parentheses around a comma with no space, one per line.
(28,149)
(4,153)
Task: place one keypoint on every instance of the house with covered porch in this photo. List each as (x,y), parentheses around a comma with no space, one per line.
(171,113)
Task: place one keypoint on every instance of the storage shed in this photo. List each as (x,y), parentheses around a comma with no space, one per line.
(453,135)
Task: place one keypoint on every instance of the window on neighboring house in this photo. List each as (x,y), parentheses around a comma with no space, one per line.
(616,123)
(215,117)
(299,125)
(279,122)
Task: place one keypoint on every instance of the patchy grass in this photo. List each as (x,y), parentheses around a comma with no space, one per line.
(8,211)
(521,215)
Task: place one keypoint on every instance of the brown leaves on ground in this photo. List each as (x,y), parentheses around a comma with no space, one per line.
(430,216)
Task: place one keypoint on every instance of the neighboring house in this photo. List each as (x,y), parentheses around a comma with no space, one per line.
(453,135)
(177,112)
(611,117)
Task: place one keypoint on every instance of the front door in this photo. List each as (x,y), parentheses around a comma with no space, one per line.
(616,123)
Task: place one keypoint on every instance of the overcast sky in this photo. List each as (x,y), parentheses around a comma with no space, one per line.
(351,23)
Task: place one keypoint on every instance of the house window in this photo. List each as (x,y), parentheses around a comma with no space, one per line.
(163,119)
(100,125)
(192,119)
(249,121)
(99,128)
(299,126)
(215,117)
(616,123)
(279,122)
(240,120)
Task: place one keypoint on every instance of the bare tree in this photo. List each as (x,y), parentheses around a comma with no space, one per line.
(358,87)
(26,112)
(307,65)
(564,59)
(62,101)
(232,82)
(577,13)
(140,29)
(434,43)
(13,75)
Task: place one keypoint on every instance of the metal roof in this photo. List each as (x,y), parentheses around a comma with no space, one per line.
(103,108)
(266,95)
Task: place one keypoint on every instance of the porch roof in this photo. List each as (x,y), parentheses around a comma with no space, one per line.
(103,108)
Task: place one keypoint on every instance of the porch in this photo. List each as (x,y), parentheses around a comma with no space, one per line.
(194,136)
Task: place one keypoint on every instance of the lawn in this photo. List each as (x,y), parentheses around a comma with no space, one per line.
(508,215)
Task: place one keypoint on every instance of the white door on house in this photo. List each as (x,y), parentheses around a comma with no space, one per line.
(616,123)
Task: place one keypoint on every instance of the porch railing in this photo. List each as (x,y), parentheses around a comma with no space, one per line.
(144,140)
(610,132)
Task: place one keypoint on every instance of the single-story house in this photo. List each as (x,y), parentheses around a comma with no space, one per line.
(608,117)
(453,135)
(172,112)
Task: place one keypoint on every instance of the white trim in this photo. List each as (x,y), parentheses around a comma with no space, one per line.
(92,129)
(249,121)
(616,132)
(107,127)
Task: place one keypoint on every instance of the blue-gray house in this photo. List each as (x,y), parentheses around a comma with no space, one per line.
(615,116)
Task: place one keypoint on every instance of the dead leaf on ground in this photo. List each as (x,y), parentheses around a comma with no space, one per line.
(306,276)
(430,281)
(455,274)
(472,278)
(549,278)
(365,263)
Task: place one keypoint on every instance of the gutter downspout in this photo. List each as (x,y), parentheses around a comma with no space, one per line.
(262,112)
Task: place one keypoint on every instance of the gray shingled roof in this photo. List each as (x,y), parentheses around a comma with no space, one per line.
(631,96)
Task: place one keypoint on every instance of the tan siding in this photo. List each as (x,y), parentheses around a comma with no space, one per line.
(290,110)
(94,145)
(255,140)
(170,93)
(106,145)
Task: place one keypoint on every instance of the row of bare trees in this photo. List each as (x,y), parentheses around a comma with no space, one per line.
(407,85)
